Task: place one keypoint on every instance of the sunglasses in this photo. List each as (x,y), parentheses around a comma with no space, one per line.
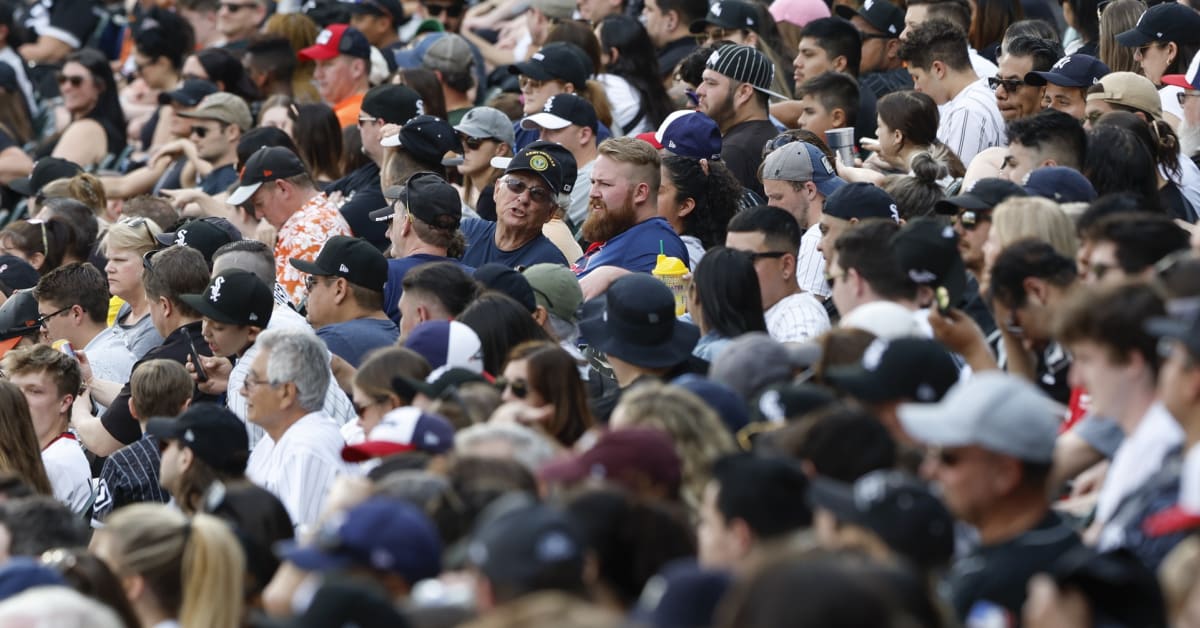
(473,143)
(970,219)
(518,187)
(1009,85)
(449,10)
(311,281)
(519,387)
(233,7)
(754,257)
(361,409)
(146,264)
(948,458)
(1183,96)
(716,34)
(139,223)
(74,80)
(200,131)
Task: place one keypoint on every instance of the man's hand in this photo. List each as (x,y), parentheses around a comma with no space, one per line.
(598,281)
(961,334)
(216,368)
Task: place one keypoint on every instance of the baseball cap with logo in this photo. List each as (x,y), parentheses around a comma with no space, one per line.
(402,430)
(550,161)
(437,383)
(882,15)
(203,234)
(337,39)
(914,369)
(999,412)
(222,107)
(744,64)
(269,163)
(690,134)
(801,161)
(927,253)
(556,289)
(393,103)
(428,197)
(1162,23)
(46,169)
(383,8)
(1060,184)
(427,138)
(861,201)
(1131,90)
(189,94)
(487,123)
(451,54)
(353,259)
(234,297)
(561,111)
(562,61)
(447,343)
(728,14)
(214,433)
(983,194)
(1078,70)
(519,542)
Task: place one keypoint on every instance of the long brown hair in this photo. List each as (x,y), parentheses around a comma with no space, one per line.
(19,449)
(916,116)
(554,374)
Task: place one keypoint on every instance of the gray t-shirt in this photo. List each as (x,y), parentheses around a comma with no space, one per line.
(139,336)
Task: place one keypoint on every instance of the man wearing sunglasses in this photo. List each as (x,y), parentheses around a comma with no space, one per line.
(378,21)
(1015,97)
(879,23)
(211,148)
(448,12)
(534,184)
(238,21)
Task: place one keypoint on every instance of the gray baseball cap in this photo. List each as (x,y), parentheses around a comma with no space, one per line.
(487,122)
(993,410)
(801,161)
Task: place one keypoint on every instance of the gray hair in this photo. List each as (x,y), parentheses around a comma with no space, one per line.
(42,607)
(529,447)
(298,356)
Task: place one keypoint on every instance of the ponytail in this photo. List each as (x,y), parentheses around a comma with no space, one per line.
(213,571)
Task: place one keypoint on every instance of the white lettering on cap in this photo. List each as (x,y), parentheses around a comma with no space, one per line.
(215,294)
(716,9)
(181,237)
(549,106)
(895,212)
(1061,63)
(537,56)
(324,37)
(342,268)
(714,58)
(874,354)
(867,5)
(420,107)
(921,276)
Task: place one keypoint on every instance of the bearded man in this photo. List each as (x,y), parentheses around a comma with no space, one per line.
(623,226)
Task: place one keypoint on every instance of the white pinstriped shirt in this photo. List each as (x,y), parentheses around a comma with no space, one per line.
(971,121)
(796,318)
(810,264)
(301,466)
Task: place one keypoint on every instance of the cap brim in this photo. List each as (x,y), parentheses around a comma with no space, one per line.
(243,194)
(166,238)
(308,267)
(317,53)
(162,429)
(182,98)
(1177,80)
(1170,521)
(390,141)
(860,383)
(374,449)
(532,69)
(668,353)
(205,308)
(775,95)
(950,206)
(501,162)
(834,496)
(1039,79)
(701,25)
(22,186)
(566,470)
(456,160)
(1133,38)
(310,558)
(650,138)
(383,214)
(846,12)
(7,344)
(934,424)
(470,130)
(830,185)
(1164,327)
(544,120)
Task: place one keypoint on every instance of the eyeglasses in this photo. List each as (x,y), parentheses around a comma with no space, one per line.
(253,381)
(1183,96)
(42,318)
(146,265)
(754,257)
(449,10)
(527,84)
(234,7)
(716,34)
(518,187)
(1010,85)
(310,281)
(361,408)
(200,131)
(519,387)
(970,219)
(74,80)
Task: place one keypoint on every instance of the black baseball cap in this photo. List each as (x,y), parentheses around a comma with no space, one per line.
(910,368)
(882,15)
(46,169)
(561,111)
(1169,21)
(504,279)
(728,14)
(203,234)
(1187,332)
(558,60)
(17,274)
(780,403)
(985,194)
(268,163)
(428,197)
(393,103)
(519,541)
(189,94)
(214,433)
(1078,70)
(551,161)
(427,138)
(861,201)
(234,297)
(927,252)
(353,259)
(897,507)
(389,8)
(18,316)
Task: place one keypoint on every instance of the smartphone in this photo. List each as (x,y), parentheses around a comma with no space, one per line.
(943,300)
(201,376)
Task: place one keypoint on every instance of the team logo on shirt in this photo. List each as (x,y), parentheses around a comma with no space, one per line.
(214,294)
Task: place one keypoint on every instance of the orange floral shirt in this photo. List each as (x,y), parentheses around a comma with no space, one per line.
(302,237)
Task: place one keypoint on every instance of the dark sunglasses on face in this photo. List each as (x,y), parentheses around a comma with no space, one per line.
(200,131)
(518,187)
(449,10)
(519,387)
(970,219)
(473,143)
(233,7)
(75,81)
(1010,85)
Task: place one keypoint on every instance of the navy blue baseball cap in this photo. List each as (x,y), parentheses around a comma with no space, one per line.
(1169,21)
(1060,184)
(862,201)
(691,134)
(1078,70)
(380,533)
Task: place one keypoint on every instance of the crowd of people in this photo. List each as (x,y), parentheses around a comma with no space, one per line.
(541,313)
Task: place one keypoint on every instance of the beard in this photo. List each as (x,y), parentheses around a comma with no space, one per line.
(722,111)
(1189,139)
(609,222)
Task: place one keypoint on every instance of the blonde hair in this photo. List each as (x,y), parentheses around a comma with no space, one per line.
(195,568)
(132,235)
(1035,217)
(646,162)
(697,431)
(83,187)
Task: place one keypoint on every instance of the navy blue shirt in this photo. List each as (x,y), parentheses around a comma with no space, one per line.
(352,340)
(397,269)
(362,195)
(219,180)
(481,247)
(635,250)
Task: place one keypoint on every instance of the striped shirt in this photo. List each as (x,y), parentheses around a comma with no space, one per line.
(301,466)
(796,318)
(129,476)
(971,122)
(810,264)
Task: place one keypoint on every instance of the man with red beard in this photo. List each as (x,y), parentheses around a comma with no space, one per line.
(623,224)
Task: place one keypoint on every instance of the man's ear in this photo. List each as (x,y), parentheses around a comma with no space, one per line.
(938,70)
(838,115)
(840,63)
(540,316)
(688,206)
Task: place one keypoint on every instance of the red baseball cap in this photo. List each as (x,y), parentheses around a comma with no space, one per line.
(337,39)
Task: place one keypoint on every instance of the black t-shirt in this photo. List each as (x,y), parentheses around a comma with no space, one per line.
(865,123)
(485,205)
(883,83)
(993,578)
(175,347)
(1175,204)
(741,150)
(361,190)
(69,21)
(671,54)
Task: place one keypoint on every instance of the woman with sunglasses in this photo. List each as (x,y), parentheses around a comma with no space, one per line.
(160,43)
(543,379)
(124,245)
(97,128)
(42,243)
(1164,40)
(373,392)
(486,133)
